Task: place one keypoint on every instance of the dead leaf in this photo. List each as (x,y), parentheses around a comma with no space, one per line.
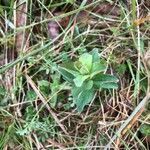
(53,29)
(140,21)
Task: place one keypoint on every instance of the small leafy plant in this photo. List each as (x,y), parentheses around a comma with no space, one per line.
(86,77)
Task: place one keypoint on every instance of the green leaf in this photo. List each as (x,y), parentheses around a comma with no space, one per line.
(83,70)
(86,61)
(85,86)
(105,77)
(68,66)
(98,67)
(75,91)
(77,65)
(54,86)
(106,85)
(95,55)
(88,85)
(44,87)
(82,97)
(145,129)
(67,74)
(31,95)
(80,79)
(105,81)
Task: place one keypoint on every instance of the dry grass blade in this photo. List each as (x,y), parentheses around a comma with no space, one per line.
(37,143)
(129,122)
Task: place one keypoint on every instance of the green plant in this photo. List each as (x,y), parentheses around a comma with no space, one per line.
(145,129)
(86,76)
(44,87)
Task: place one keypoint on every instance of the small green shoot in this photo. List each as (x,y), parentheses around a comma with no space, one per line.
(86,77)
